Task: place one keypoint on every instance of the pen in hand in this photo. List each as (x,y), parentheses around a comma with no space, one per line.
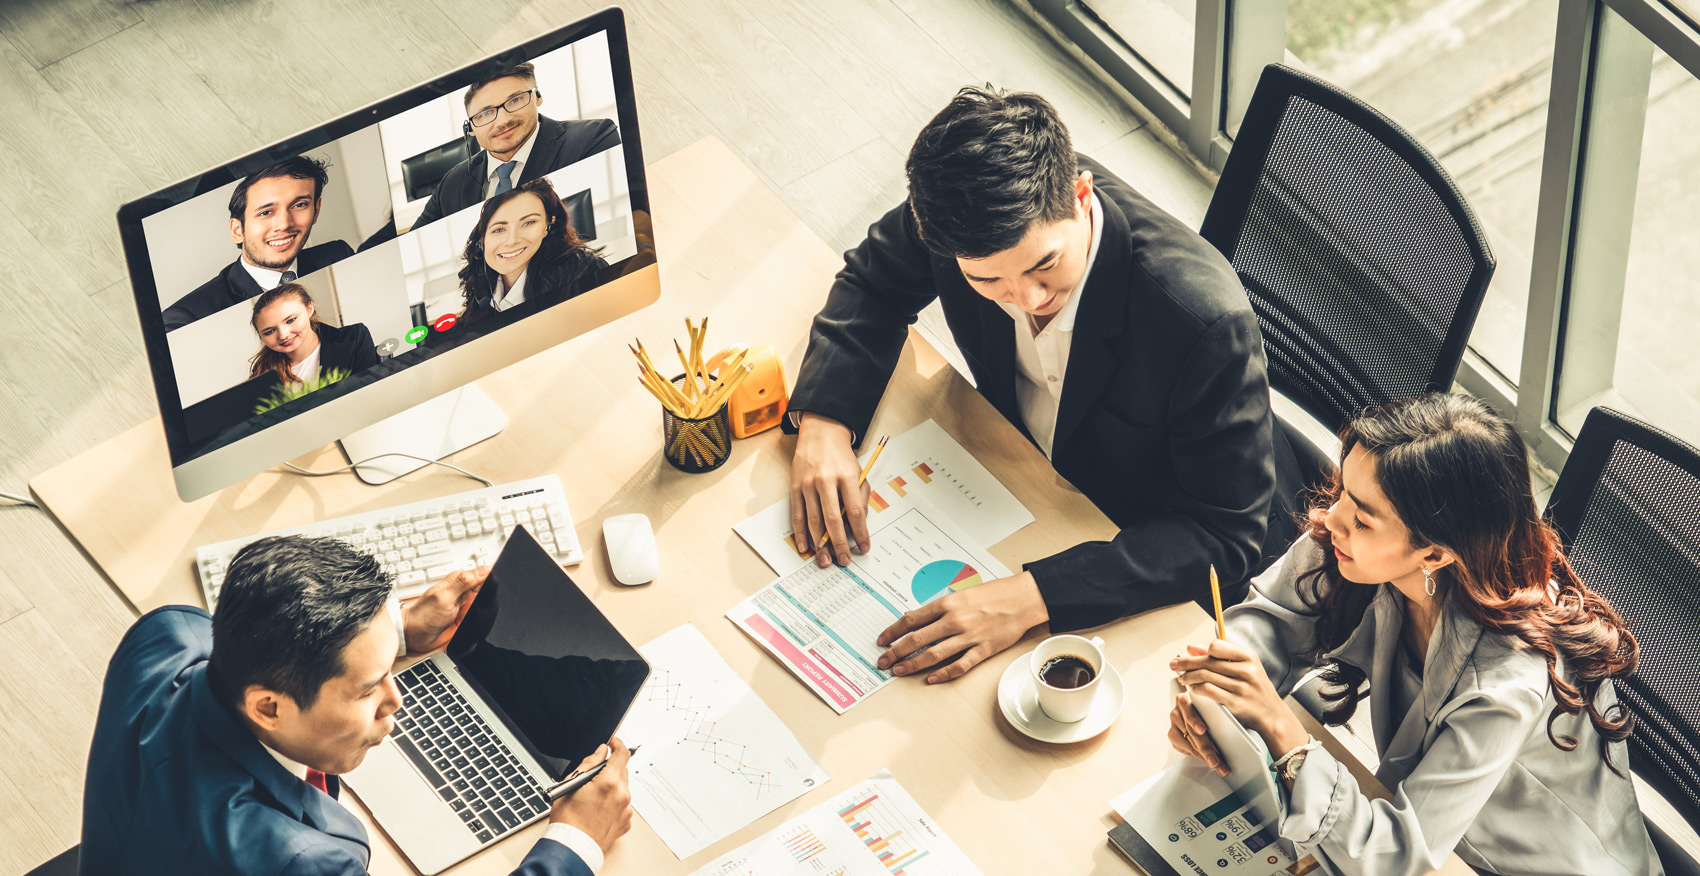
(581,778)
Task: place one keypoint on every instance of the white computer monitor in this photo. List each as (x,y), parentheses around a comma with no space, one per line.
(414,277)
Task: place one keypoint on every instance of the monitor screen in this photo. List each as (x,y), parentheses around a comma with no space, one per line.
(320,271)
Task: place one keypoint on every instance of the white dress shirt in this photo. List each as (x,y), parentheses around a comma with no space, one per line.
(266,277)
(1041,355)
(307,370)
(512,297)
(520,158)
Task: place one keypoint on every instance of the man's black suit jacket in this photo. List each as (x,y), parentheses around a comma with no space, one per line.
(1164,421)
(558,145)
(234,284)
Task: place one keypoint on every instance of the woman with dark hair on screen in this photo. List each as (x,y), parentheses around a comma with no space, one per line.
(298,347)
(1428,572)
(524,250)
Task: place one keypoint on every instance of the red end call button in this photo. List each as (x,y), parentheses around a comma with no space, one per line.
(445,322)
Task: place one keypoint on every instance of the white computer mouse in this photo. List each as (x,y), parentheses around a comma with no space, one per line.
(631,549)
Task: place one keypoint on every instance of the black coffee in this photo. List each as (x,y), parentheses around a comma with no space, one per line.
(1066,671)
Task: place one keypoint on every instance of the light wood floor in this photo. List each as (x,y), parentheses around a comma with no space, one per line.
(106,100)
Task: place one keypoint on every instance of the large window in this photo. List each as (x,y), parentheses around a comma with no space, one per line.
(1633,308)
(1160,31)
(1470,81)
(1571,126)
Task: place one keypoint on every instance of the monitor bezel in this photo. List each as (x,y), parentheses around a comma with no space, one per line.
(465,363)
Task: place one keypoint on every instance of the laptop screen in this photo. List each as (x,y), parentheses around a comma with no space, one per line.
(540,653)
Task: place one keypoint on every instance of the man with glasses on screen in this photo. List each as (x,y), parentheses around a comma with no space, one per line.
(272,212)
(519,143)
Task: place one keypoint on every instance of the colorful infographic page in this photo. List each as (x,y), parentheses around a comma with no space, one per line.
(873,829)
(823,623)
(922,464)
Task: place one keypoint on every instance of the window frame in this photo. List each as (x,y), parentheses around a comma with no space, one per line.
(1584,208)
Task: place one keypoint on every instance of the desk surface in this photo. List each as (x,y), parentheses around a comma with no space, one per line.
(730,250)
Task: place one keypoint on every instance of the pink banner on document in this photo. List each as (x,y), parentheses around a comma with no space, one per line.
(804,665)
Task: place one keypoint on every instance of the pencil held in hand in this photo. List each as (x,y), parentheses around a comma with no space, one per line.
(1216,597)
(826,537)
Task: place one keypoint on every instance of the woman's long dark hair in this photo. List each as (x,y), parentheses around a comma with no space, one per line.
(1457,474)
(558,270)
(269,359)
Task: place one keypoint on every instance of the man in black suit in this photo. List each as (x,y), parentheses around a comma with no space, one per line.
(1113,336)
(518,144)
(272,212)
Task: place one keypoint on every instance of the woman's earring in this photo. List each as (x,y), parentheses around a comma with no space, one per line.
(1428,581)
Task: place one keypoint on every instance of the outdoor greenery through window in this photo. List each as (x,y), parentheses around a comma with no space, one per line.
(1470,79)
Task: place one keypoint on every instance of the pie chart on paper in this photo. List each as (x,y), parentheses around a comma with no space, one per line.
(940,575)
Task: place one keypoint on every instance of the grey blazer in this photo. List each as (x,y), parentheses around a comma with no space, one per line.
(1470,765)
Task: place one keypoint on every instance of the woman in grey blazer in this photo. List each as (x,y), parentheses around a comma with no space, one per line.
(1429,573)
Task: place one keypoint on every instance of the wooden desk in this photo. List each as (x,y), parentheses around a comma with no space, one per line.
(731,250)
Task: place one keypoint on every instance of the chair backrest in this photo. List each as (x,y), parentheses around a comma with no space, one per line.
(1628,508)
(1362,259)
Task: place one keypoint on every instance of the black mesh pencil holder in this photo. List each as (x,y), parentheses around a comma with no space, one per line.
(696,446)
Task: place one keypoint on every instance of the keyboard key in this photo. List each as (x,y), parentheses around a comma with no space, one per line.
(508,817)
(484,836)
(447,793)
(465,813)
(422,763)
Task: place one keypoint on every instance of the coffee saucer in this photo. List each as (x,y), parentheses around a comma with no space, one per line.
(1018,696)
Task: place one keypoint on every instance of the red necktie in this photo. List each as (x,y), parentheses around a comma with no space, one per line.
(317,780)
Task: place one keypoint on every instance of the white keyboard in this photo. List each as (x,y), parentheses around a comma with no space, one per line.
(422,542)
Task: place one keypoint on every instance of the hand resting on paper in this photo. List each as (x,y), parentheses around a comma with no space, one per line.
(974,623)
(1233,676)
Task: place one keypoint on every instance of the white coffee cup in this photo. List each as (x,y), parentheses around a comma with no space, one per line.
(1067,705)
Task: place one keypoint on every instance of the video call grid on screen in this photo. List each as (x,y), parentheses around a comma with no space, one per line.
(380,274)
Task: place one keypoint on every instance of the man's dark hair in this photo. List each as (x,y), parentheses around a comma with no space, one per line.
(525,71)
(986,168)
(294,167)
(288,608)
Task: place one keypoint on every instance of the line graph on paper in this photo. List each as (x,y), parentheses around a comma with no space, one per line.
(699,730)
(714,757)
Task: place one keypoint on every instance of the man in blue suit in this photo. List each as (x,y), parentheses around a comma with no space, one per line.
(220,739)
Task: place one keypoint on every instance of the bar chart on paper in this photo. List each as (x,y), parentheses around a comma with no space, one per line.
(873,829)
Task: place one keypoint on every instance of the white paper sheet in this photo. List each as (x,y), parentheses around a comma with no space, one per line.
(714,756)
(822,623)
(1191,818)
(923,461)
(873,829)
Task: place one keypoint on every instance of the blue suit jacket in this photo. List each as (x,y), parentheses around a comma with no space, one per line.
(178,784)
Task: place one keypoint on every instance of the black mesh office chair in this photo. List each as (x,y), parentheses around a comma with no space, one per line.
(1628,508)
(1362,259)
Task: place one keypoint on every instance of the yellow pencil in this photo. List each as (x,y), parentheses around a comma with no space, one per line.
(1216,596)
(826,537)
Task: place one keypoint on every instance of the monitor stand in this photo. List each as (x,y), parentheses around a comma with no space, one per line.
(450,422)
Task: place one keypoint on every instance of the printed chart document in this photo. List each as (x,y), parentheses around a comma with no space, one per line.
(714,756)
(922,462)
(1187,820)
(873,829)
(822,623)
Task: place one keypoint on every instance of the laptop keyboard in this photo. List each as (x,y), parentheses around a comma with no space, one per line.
(468,765)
